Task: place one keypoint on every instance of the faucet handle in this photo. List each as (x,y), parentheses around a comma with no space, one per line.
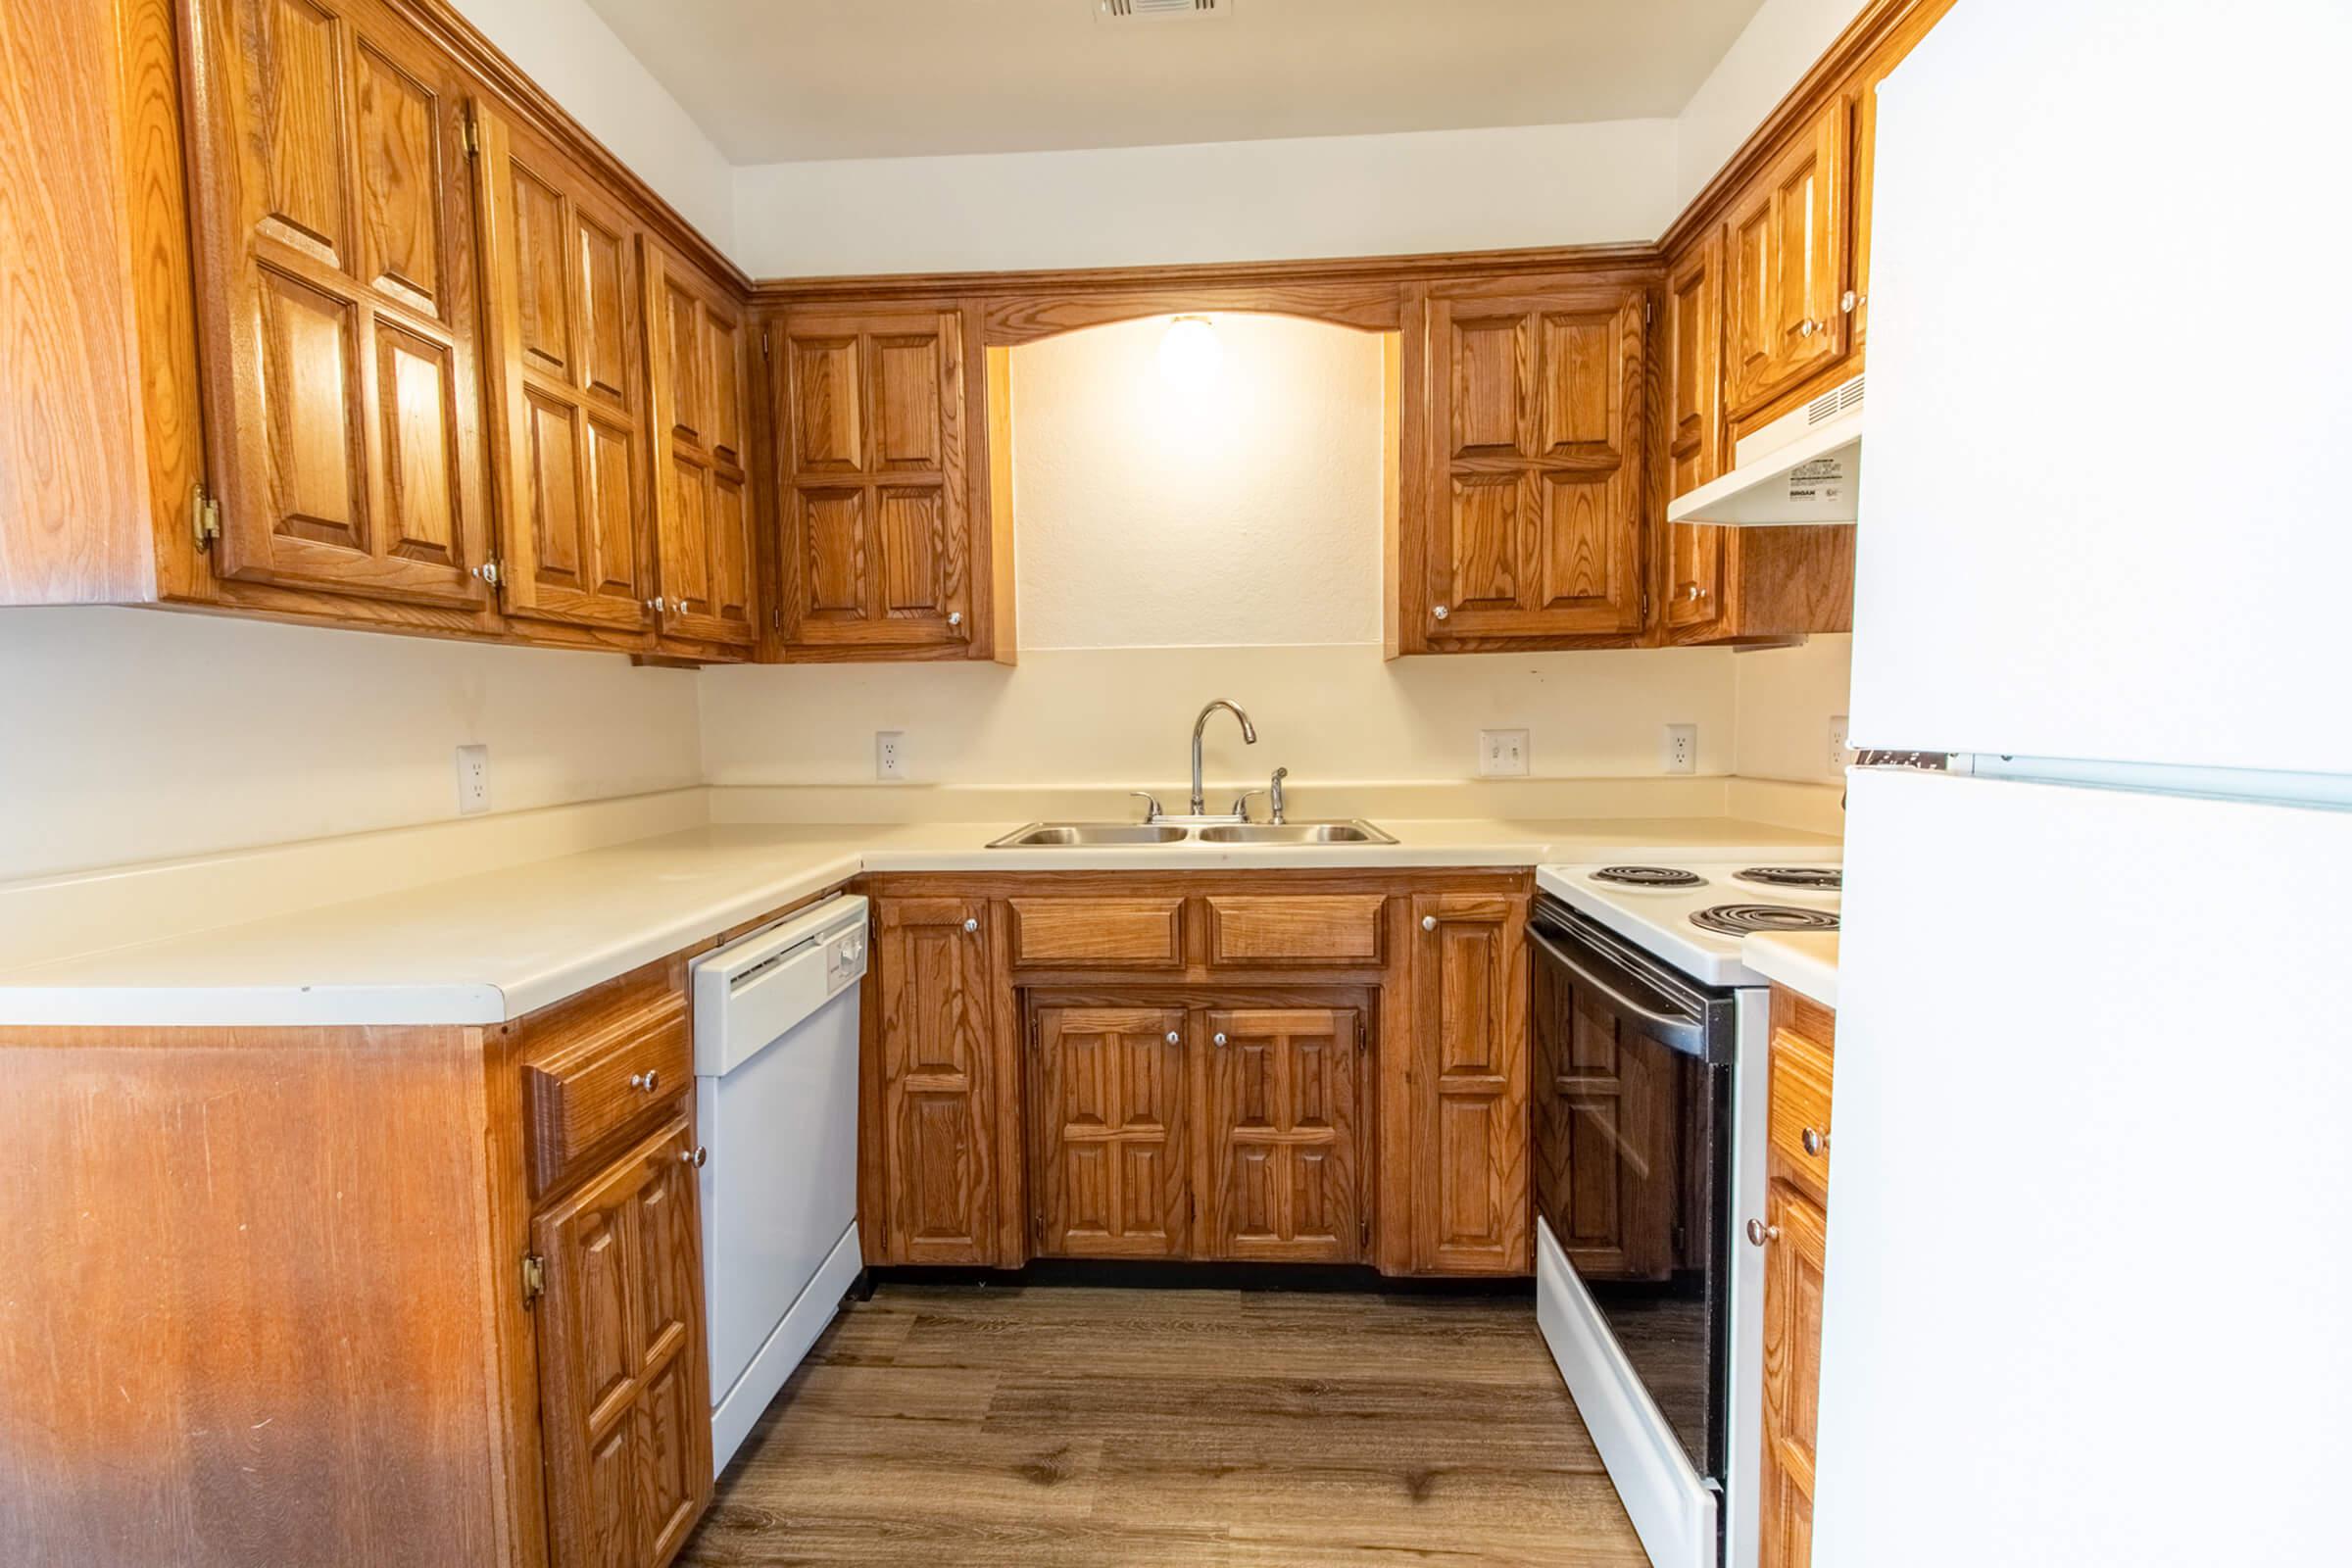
(1241,803)
(1151,811)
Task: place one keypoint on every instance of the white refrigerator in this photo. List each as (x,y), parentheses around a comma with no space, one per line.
(2088,1296)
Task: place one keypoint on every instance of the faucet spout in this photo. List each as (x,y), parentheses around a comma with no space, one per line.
(1249,738)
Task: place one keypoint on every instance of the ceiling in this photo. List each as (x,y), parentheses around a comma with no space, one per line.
(780,81)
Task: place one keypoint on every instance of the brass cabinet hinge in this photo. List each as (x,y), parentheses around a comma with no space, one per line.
(206,514)
(534,1277)
(1649,306)
(763,348)
(1364,1232)
(468,137)
(775,619)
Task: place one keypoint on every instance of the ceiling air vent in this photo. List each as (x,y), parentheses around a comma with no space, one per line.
(1161,10)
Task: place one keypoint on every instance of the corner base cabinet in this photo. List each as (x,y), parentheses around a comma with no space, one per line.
(1296,1067)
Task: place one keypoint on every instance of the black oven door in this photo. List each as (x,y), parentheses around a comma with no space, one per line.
(1633,1158)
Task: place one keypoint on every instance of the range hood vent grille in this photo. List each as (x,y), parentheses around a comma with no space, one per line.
(1161,10)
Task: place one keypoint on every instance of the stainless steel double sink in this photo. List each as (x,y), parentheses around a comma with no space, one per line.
(1102,835)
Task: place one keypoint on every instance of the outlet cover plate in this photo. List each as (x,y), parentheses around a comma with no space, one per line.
(1840,756)
(474,780)
(1681,754)
(890,755)
(1503,753)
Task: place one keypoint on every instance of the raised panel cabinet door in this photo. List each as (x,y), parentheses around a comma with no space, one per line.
(338,318)
(700,364)
(1534,494)
(1283,1112)
(1796,1254)
(1787,241)
(938,1160)
(1111,1155)
(620,1351)
(1606,1137)
(877,550)
(1696,579)
(568,404)
(1471,1200)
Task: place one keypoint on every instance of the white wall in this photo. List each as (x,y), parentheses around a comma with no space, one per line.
(1228,201)
(575,56)
(136,735)
(1240,508)
(1777,47)
(1784,701)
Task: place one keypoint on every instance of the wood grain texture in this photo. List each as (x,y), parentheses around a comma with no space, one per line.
(1139,933)
(599,1065)
(1323,930)
(1112,1111)
(1471,1197)
(701,392)
(933,1083)
(1040,1428)
(253,1313)
(74,507)
(1793,1272)
(1282,1122)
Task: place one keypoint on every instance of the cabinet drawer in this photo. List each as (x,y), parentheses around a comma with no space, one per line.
(1327,929)
(584,1093)
(1097,933)
(1800,1109)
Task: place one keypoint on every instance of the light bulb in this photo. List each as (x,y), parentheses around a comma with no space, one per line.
(1189,353)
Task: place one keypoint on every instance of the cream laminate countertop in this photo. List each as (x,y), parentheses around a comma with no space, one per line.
(1805,961)
(487,948)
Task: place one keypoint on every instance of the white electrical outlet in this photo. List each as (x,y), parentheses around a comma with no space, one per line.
(1682,748)
(1503,753)
(890,755)
(1840,759)
(473,779)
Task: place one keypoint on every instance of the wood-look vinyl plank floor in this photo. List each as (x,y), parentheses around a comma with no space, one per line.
(1052,1427)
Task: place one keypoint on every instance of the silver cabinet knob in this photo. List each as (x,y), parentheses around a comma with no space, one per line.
(954,617)
(648,1080)
(488,572)
(1807,328)
(656,605)
(1440,613)
(1849,301)
(698,1156)
(1762,1234)
(1816,1141)
(1174,1038)
(1218,1038)
(1429,922)
(971,925)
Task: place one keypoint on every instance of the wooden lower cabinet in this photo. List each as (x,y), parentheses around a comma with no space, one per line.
(1796,1242)
(1265,1066)
(623,1377)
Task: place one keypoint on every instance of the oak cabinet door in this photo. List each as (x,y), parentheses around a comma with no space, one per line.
(568,371)
(1532,499)
(1282,1118)
(877,546)
(1697,574)
(1111,1091)
(701,390)
(1793,1294)
(1471,1203)
(623,1378)
(937,1170)
(1787,248)
(338,318)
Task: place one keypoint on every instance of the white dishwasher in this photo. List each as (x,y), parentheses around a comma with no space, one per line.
(775,1063)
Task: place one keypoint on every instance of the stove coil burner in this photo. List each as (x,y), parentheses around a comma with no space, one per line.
(1650,876)
(1828,880)
(1740,919)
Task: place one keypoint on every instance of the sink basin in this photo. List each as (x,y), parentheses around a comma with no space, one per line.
(1079,835)
(1295,833)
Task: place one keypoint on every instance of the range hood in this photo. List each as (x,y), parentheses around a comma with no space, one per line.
(1804,468)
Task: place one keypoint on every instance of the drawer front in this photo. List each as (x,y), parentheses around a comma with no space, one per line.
(1329,929)
(1800,1111)
(582,1095)
(1097,933)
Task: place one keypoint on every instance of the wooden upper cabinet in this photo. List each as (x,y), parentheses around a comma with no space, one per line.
(1110,1134)
(1531,449)
(1786,264)
(702,400)
(623,1375)
(1692,352)
(1472,1211)
(1285,1182)
(569,424)
(338,318)
(880,553)
(935,1107)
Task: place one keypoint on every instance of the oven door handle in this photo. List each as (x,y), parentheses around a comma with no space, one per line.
(1682,1032)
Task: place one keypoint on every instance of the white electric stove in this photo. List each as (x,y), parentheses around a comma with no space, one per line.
(1651,1039)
